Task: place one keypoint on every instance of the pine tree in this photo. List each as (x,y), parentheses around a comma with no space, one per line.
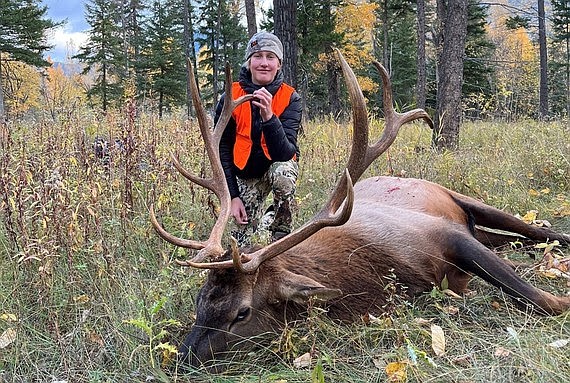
(317,36)
(164,56)
(103,52)
(396,47)
(477,72)
(132,12)
(23,27)
(221,39)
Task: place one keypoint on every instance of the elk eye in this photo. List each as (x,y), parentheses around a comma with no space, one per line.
(242,314)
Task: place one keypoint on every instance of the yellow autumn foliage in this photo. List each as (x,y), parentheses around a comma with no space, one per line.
(21,87)
(61,92)
(356,21)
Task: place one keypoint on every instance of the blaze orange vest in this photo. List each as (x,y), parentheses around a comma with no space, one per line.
(242,117)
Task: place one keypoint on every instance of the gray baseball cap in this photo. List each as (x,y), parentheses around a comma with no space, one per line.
(264,41)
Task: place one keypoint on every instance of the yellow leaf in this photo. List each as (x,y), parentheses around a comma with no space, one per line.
(533,193)
(396,372)
(169,354)
(81,299)
(437,340)
(530,216)
(9,317)
(7,337)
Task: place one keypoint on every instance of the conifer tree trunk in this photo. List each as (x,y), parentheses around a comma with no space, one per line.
(285,28)
(189,53)
(543,86)
(421,55)
(452,15)
(250,16)
(2,111)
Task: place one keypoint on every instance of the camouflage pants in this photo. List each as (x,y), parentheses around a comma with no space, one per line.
(280,180)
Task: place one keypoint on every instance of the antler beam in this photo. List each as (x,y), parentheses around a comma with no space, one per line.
(212,247)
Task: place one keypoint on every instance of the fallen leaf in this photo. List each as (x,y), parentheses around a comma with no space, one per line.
(553,266)
(437,340)
(396,372)
(559,343)
(531,214)
(463,361)
(451,310)
(81,299)
(452,294)
(302,361)
(9,317)
(422,321)
(501,352)
(7,337)
(496,305)
(95,338)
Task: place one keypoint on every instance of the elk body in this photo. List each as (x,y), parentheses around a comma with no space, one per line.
(380,231)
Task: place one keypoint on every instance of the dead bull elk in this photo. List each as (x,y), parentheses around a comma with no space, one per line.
(415,229)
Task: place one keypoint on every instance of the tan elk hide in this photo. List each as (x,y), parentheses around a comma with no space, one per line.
(417,231)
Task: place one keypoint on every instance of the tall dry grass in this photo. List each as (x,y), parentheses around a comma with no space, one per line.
(92,294)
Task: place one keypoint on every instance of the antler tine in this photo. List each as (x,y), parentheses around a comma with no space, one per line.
(212,247)
(229,105)
(393,119)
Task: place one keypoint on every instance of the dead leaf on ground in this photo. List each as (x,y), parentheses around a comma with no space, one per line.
(8,317)
(437,340)
(462,361)
(452,294)
(501,352)
(303,361)
(451,310)
(396,372)
(7,337)
(559,343)
(553,266)
(422,321)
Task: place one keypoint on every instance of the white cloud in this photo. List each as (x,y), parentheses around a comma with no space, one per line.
(66,43)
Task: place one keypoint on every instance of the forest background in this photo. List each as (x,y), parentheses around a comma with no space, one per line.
(139,49)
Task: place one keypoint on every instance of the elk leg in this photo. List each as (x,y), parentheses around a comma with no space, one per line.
(473,257)
(493,218)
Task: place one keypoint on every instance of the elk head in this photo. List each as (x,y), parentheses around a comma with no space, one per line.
(254,290)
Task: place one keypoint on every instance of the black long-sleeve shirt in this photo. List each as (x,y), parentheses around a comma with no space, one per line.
(280,135)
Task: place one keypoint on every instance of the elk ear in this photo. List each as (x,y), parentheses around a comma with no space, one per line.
(300,289)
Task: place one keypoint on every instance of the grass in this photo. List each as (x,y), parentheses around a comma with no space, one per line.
(93,295)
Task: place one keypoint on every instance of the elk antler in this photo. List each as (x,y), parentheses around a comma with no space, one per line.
(362,154)
(212,247)
(361,157)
